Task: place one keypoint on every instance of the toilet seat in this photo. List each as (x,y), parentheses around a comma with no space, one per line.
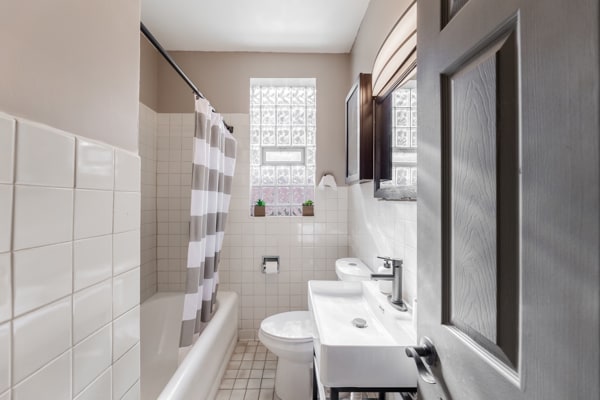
(290,327)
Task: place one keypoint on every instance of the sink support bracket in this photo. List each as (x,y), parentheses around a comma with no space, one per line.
(335,392)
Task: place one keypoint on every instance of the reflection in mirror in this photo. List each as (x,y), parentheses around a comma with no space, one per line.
(396,142)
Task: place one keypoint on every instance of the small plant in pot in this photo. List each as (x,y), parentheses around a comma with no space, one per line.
(308,208)
(259,208)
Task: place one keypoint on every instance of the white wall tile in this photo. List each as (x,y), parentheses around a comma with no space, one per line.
(45,156)
(126,372)
(308,247)
(42,275)
(92,261)
(40,336)
(126,251)
(95,166)
(126,332)
(6,211)
(100,389)
(90,358)
(126,292)
(5,287)
(127,211)
(7,149)
(127,171)
(4,357)
(51,382)
(395,233)
(56,262)
(91,310)
(93,213)
(42,216)
(133,393)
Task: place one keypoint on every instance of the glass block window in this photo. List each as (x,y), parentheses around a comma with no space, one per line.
(283,127)
(404,147)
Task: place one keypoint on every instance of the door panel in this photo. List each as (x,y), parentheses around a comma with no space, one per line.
(508,216)
(472,196)
(480,189)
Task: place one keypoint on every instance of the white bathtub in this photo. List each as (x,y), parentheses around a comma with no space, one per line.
(199,375)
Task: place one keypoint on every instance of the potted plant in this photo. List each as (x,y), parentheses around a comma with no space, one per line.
(259,208)
(308,208)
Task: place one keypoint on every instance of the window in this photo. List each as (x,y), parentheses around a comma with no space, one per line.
(283,128)
(404,147)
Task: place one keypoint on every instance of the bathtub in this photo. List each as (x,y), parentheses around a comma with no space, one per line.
(199,374)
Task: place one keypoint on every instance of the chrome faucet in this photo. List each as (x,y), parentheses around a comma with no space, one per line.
(396,297)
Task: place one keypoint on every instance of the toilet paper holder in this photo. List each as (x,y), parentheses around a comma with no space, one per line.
(269,259)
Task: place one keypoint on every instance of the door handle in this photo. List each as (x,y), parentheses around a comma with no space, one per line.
(425,351)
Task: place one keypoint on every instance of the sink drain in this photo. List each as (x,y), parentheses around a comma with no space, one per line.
(359,323)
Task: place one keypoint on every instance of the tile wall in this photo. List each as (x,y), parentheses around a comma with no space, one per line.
(173,190)
(69,266)
(384,228)
(307,246)
(147,147)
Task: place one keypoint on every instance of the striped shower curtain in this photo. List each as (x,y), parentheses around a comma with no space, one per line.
(212,175)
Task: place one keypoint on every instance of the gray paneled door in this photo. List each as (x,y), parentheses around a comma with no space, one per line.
(508,214)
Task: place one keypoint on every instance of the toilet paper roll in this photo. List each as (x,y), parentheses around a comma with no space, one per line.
(271,267)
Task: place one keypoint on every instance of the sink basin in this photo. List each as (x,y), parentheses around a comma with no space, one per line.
(351,356)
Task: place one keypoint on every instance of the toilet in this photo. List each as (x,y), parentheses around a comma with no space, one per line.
(352,269)
(290,336)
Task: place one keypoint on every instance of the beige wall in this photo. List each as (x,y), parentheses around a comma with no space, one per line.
(378,21)
(385,228)
(224,78)
(149,61)
(73,65)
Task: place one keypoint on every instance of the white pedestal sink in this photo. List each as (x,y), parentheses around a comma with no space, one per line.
(349,356)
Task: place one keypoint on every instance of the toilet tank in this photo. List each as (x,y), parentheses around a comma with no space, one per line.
(352,269)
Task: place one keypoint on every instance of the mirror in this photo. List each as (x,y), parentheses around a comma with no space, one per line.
(395,164)
(395,111)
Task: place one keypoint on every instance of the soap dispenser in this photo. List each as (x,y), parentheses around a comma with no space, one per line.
(385,286)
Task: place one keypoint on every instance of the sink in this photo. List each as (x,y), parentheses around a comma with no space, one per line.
(351,356)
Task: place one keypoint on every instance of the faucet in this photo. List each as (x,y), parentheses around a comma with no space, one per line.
(396,297)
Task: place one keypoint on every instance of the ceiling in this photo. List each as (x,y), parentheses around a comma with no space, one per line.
(296,26)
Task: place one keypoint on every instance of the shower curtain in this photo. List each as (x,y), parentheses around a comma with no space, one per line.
(212,175)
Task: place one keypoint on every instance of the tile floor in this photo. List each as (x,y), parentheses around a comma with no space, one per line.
(250,375)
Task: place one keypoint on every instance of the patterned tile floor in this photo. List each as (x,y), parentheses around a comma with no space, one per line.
(250,375)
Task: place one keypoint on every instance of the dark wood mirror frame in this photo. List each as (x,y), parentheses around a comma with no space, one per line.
(382,146)
(359,131)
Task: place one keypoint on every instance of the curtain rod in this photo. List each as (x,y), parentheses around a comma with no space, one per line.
(176,67)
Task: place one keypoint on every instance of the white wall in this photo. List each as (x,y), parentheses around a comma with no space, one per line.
(69,265)
(379,227)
